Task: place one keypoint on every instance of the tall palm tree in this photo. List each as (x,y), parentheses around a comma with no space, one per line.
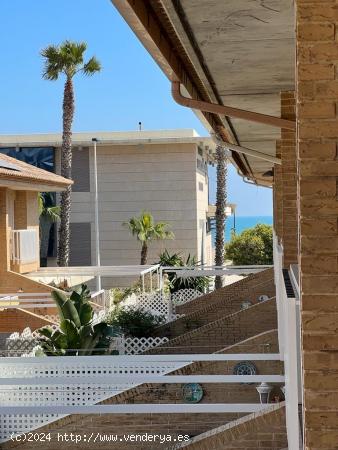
(220,216)
(67,59)
(146,230)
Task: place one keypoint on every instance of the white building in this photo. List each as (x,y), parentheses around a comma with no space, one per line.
(163,172)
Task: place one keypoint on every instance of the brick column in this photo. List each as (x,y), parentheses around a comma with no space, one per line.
(20,210)
(289,182)
(317,94)
(278,197)
(4,234)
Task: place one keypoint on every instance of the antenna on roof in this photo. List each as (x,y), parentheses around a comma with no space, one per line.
(140,126)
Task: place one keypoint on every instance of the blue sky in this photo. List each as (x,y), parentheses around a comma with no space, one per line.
(130,88)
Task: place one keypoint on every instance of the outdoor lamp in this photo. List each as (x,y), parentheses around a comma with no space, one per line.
(264,390)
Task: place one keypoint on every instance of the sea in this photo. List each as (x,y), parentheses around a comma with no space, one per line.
(240,223)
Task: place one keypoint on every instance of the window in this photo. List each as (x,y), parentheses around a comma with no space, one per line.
(42,157)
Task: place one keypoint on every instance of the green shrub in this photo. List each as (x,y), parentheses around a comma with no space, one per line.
(134,322)
(251,247)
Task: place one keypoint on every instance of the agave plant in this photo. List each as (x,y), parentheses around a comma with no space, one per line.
(77,334)
(175,281)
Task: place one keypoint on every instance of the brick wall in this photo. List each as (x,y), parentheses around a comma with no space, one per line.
(226,331)
(10,283)
(218,296)
(289,182)
(278,195)
(261,430)
(172,424)
(220,303)
(18,319)
(317,93)
(4,231)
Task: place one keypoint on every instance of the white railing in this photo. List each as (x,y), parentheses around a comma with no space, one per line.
(288,309)
(101,298)
(45,382)
(24,246)
(46,389)
(27,300)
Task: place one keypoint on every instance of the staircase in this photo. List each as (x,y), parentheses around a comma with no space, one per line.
(262,430)
(220,303)
(224,327)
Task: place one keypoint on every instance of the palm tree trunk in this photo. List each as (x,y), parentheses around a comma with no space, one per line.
(221,198)
(144,253)
(66,171)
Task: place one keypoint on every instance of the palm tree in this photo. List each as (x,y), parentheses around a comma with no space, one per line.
(49,213)
(67,59)
(145,230)
(220,216)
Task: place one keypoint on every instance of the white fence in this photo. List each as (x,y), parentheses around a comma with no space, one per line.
(162,304)
(36,391)
(288,308)
(19,344)
(24,246)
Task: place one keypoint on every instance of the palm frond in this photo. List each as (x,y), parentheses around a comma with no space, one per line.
(41,203)
(53,62)
(91,67)
(53,213)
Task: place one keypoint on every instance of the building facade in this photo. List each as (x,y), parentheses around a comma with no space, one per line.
(163,172)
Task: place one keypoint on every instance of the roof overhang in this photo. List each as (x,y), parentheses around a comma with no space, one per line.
(21,185)
(238,53)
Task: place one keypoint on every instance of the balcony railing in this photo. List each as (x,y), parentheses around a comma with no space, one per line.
(24,246)
(288,308)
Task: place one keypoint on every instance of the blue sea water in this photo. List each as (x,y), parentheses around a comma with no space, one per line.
(240,223)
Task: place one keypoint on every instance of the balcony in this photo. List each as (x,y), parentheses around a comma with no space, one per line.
(24,250)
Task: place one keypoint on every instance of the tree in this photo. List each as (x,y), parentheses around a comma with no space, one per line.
(251,247)
(220,216)
(146,231)
(49,213)
(67,59)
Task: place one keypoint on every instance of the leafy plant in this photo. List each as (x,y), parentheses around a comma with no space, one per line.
(77,334)
(251,247)
(175,281)
(135,322)
(146,230)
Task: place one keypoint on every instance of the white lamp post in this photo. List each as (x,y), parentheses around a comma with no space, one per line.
(97,230)
(264,390)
